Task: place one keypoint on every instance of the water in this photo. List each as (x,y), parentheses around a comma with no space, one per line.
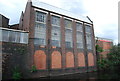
(92,76)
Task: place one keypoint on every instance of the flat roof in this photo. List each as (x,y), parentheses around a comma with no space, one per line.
(9,29)
(103,39)
(37,3)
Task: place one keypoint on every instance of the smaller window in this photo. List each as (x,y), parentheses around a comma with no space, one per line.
(39,41)
(88,29)
(40,17)
(68,44)
(17,38)
(55,43)
(12,36)
(79,27)
(89,41)
(68,24)
(79,35)
(21,37)
(55,20)
(5,35)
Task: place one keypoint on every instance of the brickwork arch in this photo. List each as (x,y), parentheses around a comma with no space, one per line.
(81,60)
(55,60)
(40,59)
(90,59)
(69,59)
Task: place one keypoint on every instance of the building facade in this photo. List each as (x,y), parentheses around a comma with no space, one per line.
(4,21)
(59,41)
(106,45)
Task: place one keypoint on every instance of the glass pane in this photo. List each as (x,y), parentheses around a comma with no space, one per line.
(68,44)
(21,37)
(79,37)
(88,29)
(68,37)
(89,41)
(25,38)
(56,32)
(17,37)
(40,33)
(68,24)
(5,35)
(55,43)
(55,20)
(79,27)
(39,41)
(41,17)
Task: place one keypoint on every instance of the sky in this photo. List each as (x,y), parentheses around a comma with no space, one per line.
(103,13)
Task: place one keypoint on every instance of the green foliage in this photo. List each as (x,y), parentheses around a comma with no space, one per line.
(33,69)
(114,57)
(112,62)
(16,74)
(102,63)
(99,49)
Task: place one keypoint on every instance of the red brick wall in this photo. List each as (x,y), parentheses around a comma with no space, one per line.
(81,59)
(40,59)
(90,59)
(106,48)
(56,59)
(69,60)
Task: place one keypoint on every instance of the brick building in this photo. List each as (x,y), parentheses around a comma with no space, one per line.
(106,45)
(59,42)
(4,21)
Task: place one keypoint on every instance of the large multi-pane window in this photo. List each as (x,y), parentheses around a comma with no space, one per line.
(40,28)
(68,34)
(88,31)
(79,35)
(14,36)
(56,33)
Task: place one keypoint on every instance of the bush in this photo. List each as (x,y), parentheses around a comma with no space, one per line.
(33,69)
(16,73)
(112,62)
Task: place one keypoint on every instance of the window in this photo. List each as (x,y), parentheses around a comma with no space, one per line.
(17,38)
(68,34)
(88,31)
(79,35)
(5,35)
(14,36)
(56,33)
(68,24)
(39,41)
(55,20)
(40,17)
(40,29)
(23,37)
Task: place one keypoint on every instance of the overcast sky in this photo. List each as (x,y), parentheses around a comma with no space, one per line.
(103,13)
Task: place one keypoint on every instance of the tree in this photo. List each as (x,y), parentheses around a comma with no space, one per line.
(114,58)
(112,62)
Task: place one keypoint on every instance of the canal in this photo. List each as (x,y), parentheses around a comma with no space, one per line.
(91,76)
